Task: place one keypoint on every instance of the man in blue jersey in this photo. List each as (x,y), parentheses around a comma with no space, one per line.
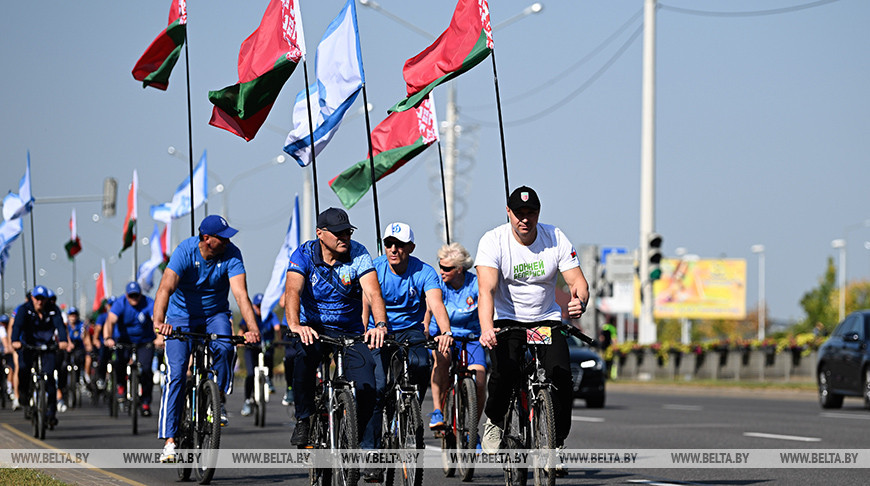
(75,355)
(327,280)
(409,286)
(193,296)
(102,352)
(129,322)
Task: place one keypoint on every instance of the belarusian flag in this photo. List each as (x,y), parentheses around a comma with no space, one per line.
(465,43)
(129,236)
(155,65)
(74,245)
(395,141)
(165,239)
(102,291)
(267,58)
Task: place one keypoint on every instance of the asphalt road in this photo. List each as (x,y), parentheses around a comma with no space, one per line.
(635,417)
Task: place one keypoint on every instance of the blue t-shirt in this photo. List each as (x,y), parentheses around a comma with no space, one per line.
(405,295)
(332,296)
(101,321)
(204,285)
(76,332)
(461,307)
(134,324)
(32,329)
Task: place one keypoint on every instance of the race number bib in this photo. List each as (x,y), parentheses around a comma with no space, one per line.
(539,335)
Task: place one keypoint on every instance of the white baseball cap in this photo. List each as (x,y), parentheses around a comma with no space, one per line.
(399,231)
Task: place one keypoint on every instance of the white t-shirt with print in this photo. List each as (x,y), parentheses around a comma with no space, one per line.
(526,289)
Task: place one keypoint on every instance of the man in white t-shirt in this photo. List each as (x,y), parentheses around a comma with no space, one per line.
(517,265)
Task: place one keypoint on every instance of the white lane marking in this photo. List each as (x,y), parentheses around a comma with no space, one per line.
(688,408)
(844,415)
(432,448)
(653,483)
(798,438)
(577,418)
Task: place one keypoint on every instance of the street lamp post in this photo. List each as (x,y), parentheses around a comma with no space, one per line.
(841,274)
(762,305)
(225,190)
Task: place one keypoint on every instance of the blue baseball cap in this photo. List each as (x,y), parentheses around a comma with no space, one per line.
(50,293)
(258,299)
(4,318)
(73,310)
(216,226)
(111,300)
(40,291)
(133,288)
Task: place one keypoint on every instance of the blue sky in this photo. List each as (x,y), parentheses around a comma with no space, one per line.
(762,130)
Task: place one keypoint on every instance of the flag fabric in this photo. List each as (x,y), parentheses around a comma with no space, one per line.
(267,58)
(465,43)
(102,291)
(275,288)
(24,204)
(179,206)
(9,231)
(74,246)
(145,276)
(339,79)
(155,65)
(396,140)
(165,242)
(129,236)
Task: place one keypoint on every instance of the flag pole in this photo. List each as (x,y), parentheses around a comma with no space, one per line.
(372,169)
(500,128)
(444,194)
(24,260)
(32,248)
(311,137)
(73,282)
(190,137)
(135,246)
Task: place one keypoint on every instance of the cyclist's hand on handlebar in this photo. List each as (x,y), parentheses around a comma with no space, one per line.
(306,334)
(375,337)
(487,338)
(109,342)
(444,343)
(252,336)
(163,328)
(576,308)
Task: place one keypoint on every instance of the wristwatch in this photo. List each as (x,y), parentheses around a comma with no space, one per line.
(448,333)
(381,324)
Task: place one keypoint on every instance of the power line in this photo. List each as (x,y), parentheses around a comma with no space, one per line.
(754,13)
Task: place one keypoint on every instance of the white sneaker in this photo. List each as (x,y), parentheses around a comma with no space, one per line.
(15,404)
(61,406)
(247,408)
(168,454)
(224,420)
(491,437)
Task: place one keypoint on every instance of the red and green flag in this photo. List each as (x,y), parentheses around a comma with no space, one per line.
(101,294)
(129,236)
(74,246)
(395,141)
(465,43)
(155,65)
(165,239)
(267,58)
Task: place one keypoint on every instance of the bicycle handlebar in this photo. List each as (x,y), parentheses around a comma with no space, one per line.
(558,327)
(183,335)
(407,343)
(39,347)
(345,341)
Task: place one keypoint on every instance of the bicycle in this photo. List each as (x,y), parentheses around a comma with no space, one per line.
(131,398)
(200,425)
(261,383)
(460,412)
(530,422)
(38,388)
(334,422)
(402,426)
(75,385)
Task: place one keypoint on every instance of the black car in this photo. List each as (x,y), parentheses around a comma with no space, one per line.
(587,369)
(844,362)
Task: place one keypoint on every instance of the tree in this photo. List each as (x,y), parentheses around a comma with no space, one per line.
(819,303)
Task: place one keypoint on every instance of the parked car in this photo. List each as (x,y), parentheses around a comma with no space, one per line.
(587,369)
(843,368)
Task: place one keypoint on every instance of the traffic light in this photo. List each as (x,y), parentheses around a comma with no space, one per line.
(654,255)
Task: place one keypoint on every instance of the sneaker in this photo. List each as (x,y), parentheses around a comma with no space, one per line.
(101,384)
(436,420)
(224,420)
(288,397)
(61,406)
(146,410)
(168,454)
(479,447)
(15,404)
(52,422)
(561,469)
(246,408)
(372,474)
(491,437)
(270,385)
(300,433)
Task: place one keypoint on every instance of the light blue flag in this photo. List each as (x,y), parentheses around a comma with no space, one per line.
(179,206)
(339,78)
(146,269)
(9,231)
(273,291)
(24,195)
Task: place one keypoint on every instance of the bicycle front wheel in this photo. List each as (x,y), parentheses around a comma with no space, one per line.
(516,436)
(207,430)
(133,391)
(453,425)
(347,437)
(185,431)
(410,437)
(261,393)
(466,428)
(544,439)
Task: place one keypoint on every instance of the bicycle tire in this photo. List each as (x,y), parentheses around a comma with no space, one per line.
(544,440)
(207,432)
(262,392)
(466,430)
(112,392)
(318,476)
(515,436)
(347,437)
(185,432)
(410,437)
(41,408)
(448,440)
(133,391)
(34,408)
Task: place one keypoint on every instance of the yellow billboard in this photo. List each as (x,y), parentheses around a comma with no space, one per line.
(700,289)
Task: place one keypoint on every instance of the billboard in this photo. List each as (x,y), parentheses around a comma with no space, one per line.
(700,289)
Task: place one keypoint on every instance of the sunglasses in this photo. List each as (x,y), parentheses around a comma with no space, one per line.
(343,234)
(446,269)
(396,243)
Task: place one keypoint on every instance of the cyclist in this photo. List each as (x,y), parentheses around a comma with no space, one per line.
(36,323)
(327,280)
(459,290)
(76,355)
(129,322)
(9,360)
(517,264)
(409,287)
(267,334)
(193,296)
(97,341)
